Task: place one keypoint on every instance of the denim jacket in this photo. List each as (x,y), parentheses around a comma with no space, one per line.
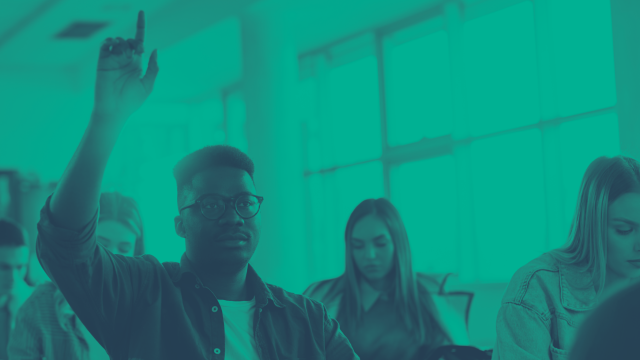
(542,308)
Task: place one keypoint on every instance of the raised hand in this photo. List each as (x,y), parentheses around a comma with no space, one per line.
(120,89)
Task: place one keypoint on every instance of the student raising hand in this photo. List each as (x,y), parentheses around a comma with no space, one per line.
(120,87)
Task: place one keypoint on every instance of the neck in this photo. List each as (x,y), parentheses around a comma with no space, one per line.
(379,284)
(225,284)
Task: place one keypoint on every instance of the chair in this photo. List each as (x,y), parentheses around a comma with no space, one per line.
(455,352)
(460,300)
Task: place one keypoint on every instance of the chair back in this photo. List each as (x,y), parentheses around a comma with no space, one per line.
(456,352)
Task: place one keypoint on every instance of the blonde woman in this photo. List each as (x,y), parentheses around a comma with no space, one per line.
(46,326)
(548,298)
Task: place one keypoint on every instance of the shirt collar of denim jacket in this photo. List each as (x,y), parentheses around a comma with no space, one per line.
(260,289)
(577,291)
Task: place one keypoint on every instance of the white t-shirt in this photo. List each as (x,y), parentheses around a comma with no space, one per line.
(239,341)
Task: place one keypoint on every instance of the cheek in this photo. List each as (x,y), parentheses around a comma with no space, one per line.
(194,227)
(616,247)
(387,253)
(357,256)
(255,225)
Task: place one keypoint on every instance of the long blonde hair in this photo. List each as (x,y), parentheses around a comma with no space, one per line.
(606,179)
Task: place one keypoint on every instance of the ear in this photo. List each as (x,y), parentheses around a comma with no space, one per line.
(179,226)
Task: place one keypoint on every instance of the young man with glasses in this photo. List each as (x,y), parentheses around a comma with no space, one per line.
(211,305)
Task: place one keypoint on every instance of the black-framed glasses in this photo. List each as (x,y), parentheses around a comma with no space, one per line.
(213,206)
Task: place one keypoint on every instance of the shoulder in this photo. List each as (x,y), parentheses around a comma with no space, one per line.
(535,284)
(42,293)
(40,305)
(172,268)
(326,290)
(296,302)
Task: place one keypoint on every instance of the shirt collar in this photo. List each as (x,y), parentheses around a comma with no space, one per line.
(20,294)
(64,312)
(260,289)
(577,291)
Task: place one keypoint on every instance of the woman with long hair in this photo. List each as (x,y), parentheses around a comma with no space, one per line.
(548,298)
(46,326)
(383,307)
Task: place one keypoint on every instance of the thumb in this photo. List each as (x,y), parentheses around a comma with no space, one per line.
(152,71)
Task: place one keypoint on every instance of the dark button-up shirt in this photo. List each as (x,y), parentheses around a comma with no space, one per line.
(382,334)
(138,308)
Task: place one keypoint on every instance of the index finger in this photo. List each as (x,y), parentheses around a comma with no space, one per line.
(140,27)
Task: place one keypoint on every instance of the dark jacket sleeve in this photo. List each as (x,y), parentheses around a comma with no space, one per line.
(337,346)
(101,288)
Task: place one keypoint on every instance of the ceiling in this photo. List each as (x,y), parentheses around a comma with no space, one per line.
(198,40)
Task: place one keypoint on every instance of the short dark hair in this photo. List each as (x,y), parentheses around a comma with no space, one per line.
(208,157)
(12,233)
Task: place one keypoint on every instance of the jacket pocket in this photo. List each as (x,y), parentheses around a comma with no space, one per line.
(558,354)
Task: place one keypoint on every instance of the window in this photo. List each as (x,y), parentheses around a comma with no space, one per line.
(236,117)
(354,115)
(500,70)
(583,49)
(508,199)
(334,195)
(488,200)
(425,194)
(418,92)
(584,141)
(158,205)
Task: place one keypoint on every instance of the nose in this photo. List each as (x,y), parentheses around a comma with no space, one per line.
(17,276)
(230,217)
(636,243)
(371,252)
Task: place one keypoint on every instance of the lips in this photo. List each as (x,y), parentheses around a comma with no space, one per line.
(233,237)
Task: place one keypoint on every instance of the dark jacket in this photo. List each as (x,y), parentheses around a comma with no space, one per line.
(138,308)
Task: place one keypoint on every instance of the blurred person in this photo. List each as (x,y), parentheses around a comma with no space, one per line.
(385,309)
(14,291)
(45,324)
(211,305)
(611,331)
(548,298)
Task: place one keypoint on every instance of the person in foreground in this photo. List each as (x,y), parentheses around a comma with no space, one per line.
(211,305)
(612,331)
(548,299)
(46,327)
(14,290)
(385,309)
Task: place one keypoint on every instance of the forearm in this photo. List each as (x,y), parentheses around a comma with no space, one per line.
(77,195)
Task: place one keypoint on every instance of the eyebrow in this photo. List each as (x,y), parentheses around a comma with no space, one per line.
(104,237)
(626,221)
(11,265)
(375,238)
(234,195)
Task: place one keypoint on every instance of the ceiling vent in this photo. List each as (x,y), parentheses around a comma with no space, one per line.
(81,30)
